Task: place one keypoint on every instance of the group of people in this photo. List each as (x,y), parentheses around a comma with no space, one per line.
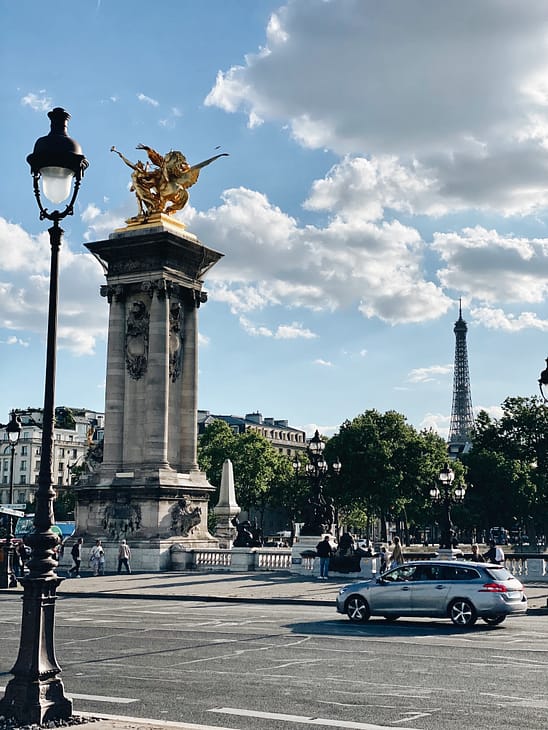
(97,558)
(391,556)
(325,551)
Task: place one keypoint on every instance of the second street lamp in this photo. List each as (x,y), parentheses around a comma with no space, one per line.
(35,695)
(13,430)
(319,514)
(446,496)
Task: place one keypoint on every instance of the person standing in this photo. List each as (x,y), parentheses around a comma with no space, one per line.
(76,555)
(97,558)
(324,551)
(124,554)
(397,554)
(477,557)
(495,554)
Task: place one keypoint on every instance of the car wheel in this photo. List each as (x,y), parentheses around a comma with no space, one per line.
(494,620)
(357,609)
(462,613)
(390,619)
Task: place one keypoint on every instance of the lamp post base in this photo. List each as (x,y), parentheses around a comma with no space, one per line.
(35,694)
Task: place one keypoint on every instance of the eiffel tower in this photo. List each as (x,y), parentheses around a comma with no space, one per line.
(462,418)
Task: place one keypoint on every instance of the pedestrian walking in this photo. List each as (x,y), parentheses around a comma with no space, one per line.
(384,560)
(397,554)
(97,558)
(324,552)
(76,555)
(124,554)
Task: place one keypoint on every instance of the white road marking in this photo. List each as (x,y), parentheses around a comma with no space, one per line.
(164,723)
(306,720)
(97,698)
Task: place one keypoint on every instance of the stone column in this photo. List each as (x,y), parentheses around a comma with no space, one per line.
(115,381)
(156,398)
(189,387)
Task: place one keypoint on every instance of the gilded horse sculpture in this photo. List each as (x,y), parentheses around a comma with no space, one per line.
(162,189)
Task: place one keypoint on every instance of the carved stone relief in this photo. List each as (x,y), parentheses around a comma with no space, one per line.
(121,520)
(183,518)
(175,340)
(137,339)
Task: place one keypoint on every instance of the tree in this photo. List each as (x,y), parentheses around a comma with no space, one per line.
(508,467)
(388,467)
(259,469)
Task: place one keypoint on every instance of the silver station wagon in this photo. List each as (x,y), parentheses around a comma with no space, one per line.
(461,591)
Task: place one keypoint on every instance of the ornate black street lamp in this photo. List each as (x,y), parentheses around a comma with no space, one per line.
(319,515)
(13,429)
(446,496)
(36,693)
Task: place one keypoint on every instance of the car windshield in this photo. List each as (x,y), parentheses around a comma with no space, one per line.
(499,572)
(404,572)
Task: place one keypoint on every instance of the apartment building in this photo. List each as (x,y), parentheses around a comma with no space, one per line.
(76,429)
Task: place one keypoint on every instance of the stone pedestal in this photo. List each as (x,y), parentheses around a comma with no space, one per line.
(148,488)
(449,554)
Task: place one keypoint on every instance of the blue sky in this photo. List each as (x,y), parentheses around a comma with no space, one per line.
(385,160)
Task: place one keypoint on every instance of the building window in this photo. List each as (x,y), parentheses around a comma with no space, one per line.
(24,450)
(37,466)
(4,480)
(22,479)
(23,466)
(74,453)
(61,466)
(38,451)
(6,462)
(59,481)
(26,435)
(22,498)
(61,452)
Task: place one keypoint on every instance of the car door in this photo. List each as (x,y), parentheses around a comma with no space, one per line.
(430,591)
(392,595)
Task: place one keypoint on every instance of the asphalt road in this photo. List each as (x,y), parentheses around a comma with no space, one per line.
(289,667)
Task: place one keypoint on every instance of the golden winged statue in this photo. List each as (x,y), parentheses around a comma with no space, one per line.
(162,188)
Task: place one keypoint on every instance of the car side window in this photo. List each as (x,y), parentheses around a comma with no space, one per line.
(459,573)
(404,573)
(428,572)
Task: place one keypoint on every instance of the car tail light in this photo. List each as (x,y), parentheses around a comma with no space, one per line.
(493,588)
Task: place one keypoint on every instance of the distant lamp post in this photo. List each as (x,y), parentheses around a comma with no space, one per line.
(35,694)
(447,496)
(13,429)
(319,515)
(543,380)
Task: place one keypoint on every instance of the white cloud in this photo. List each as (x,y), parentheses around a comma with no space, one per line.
(39,102)
(497,319)
(351,262)
(24,300)
(323,363)
(455,94)
(12,340)
(493,267)
(429,374)
(148,100)
(294,331)
(438,422)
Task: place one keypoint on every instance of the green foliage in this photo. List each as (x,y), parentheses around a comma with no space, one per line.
(388,467)
(259,470)
(508,466)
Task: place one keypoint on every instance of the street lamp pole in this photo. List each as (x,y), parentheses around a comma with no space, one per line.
(319,514)
(13,429)
(446,497)
(35,695)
